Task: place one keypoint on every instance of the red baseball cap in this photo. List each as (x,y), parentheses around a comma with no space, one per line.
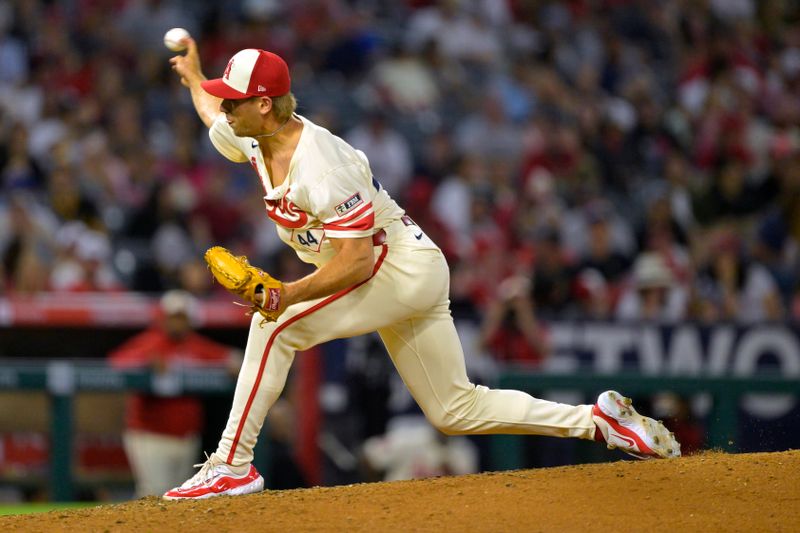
(251,72)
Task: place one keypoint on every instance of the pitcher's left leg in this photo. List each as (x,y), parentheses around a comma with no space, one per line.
(428,355)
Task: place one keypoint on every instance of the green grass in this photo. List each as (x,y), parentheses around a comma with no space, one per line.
(27,508)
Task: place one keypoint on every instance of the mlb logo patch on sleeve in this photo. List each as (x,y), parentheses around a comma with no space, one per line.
(348,205)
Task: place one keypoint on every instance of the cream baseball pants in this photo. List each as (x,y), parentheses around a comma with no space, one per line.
(406,302)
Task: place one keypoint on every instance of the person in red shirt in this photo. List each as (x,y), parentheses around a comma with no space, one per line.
(511,331)
(162,433)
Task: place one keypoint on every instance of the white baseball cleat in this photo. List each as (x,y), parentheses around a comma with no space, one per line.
(622,427)
(217,479)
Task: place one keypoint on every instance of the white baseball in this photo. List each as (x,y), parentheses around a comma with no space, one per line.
(172,39)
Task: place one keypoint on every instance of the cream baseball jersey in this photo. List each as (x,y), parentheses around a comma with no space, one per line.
(329,190)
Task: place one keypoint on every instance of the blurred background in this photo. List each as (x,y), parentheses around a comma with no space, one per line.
(615,183)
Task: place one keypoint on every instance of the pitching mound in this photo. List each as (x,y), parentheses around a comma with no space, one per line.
(709,492)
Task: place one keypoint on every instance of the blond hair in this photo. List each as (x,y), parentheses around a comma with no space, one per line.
(283,107)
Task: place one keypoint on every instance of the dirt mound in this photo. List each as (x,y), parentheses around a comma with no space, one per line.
(708,492)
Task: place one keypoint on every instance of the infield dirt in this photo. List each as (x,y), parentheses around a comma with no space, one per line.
(707,492)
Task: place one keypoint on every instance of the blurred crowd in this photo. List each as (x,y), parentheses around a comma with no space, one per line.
(603,159)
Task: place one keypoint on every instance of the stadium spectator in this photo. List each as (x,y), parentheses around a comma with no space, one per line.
(20,170)
(162,432)
(552,276)
(390,151)
(733,287)
(83,261)
(594,297)
(405,81)
(488,133)
(452,201)
(603,254)
(774,251)
(27,245)
(510,330)
(653,294)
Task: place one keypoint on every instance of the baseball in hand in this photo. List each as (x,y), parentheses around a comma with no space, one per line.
(172,39)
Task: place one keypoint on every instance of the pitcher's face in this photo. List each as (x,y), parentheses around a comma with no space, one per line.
(244,115)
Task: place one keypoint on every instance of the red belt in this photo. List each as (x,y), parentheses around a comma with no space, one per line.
(379,237)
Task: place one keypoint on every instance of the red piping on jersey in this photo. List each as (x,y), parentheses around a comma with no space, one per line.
(275,333)
(367,222)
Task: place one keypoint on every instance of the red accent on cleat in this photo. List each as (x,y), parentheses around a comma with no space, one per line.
(598,435)
(624,433)
(623,428)
(220,482)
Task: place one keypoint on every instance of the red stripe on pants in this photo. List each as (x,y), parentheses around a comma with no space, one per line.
(265,355)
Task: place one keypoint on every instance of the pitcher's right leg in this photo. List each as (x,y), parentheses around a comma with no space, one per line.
(428,355)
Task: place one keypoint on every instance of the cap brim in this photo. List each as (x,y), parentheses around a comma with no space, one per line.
(220,89)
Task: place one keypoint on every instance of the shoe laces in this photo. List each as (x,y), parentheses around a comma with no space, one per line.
(204,474)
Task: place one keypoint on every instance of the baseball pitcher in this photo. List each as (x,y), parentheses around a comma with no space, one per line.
(376,271)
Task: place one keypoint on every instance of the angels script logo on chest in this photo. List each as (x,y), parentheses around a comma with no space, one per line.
(285,212)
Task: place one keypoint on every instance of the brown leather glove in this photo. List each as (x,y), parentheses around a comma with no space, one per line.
(237,275)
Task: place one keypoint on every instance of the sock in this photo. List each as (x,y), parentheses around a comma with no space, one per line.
(239,470)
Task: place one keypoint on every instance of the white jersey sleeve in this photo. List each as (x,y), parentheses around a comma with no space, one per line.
(343,202)
(226,143)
